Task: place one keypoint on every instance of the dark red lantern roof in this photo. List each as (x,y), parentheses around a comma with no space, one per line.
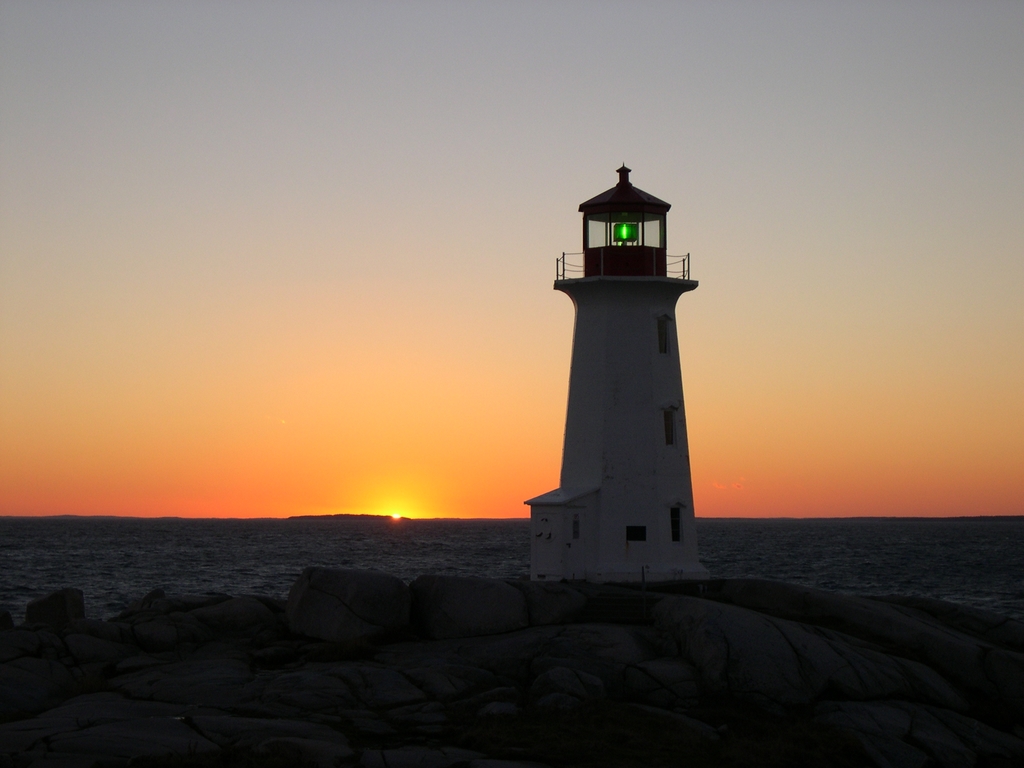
(624,197)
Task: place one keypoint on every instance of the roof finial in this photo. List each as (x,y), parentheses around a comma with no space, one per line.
(624,175)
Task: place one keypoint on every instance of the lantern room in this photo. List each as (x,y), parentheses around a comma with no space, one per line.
(624,232)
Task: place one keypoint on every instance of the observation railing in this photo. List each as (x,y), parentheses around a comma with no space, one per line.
(567,268)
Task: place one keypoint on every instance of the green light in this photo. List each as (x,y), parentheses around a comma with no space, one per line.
(624,231)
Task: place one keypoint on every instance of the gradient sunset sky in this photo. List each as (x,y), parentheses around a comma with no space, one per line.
(268,259)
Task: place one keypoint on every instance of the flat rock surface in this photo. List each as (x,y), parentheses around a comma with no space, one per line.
(779,662)
(463,606)
(129,738)
(212,682)
(230,730)
(348,605)
(985,625)
(954,653)
(239,614)
(550,603)
(28,684)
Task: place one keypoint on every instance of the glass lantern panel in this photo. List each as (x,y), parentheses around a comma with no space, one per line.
(597,231)
(654,230)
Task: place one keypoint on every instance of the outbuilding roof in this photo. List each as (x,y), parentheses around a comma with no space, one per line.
(560,496)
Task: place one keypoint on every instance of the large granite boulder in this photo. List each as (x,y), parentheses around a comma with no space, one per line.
(986,625)
(463,606)
(904,733)
(315,753)
(224,683)
(18,642)
(550,602)
(445,681)
(143,602)
(665,682)
(114,631)
(775,662)
(86,649)
(348,605)
(166,633)
(141,737)
(239,614)
(989,672)
(308,690)
(232,731)
(570,681)
(564,688)
(57,610)
(28,684)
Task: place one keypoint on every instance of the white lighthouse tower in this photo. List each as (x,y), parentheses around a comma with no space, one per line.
(624,508)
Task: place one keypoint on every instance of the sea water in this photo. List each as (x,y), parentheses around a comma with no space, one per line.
(976,561)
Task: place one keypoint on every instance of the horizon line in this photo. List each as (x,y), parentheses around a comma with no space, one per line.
(403,517)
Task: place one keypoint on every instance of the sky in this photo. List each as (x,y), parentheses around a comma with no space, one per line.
(271,259)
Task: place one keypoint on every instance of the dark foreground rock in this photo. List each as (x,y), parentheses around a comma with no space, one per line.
(981,657)
(496,675)
(550,602)
(56,610)
(348,605)
(456,606)
(777,663)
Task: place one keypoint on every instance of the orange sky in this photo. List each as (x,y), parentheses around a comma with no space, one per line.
(262,265)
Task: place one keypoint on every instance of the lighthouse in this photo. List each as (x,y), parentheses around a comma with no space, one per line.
(624,508)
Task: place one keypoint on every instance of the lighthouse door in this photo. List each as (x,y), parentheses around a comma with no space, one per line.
(546,528)
(574,562)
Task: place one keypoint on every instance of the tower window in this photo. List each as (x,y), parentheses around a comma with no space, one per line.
(663,335)
(670,426)
(636,533)
(576,525)
(674,519)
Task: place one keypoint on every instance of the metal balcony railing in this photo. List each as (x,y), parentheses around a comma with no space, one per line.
(678,266)
(567,268)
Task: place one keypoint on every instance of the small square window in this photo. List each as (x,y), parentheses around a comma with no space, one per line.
(636,533)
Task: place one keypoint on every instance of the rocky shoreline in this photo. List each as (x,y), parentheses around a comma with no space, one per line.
(358,668)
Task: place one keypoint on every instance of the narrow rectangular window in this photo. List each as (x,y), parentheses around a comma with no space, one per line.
(674,517)
(636,533)
(576,525)
(663,335)
(670,426)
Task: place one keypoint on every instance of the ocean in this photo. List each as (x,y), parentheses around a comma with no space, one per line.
(975,561)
